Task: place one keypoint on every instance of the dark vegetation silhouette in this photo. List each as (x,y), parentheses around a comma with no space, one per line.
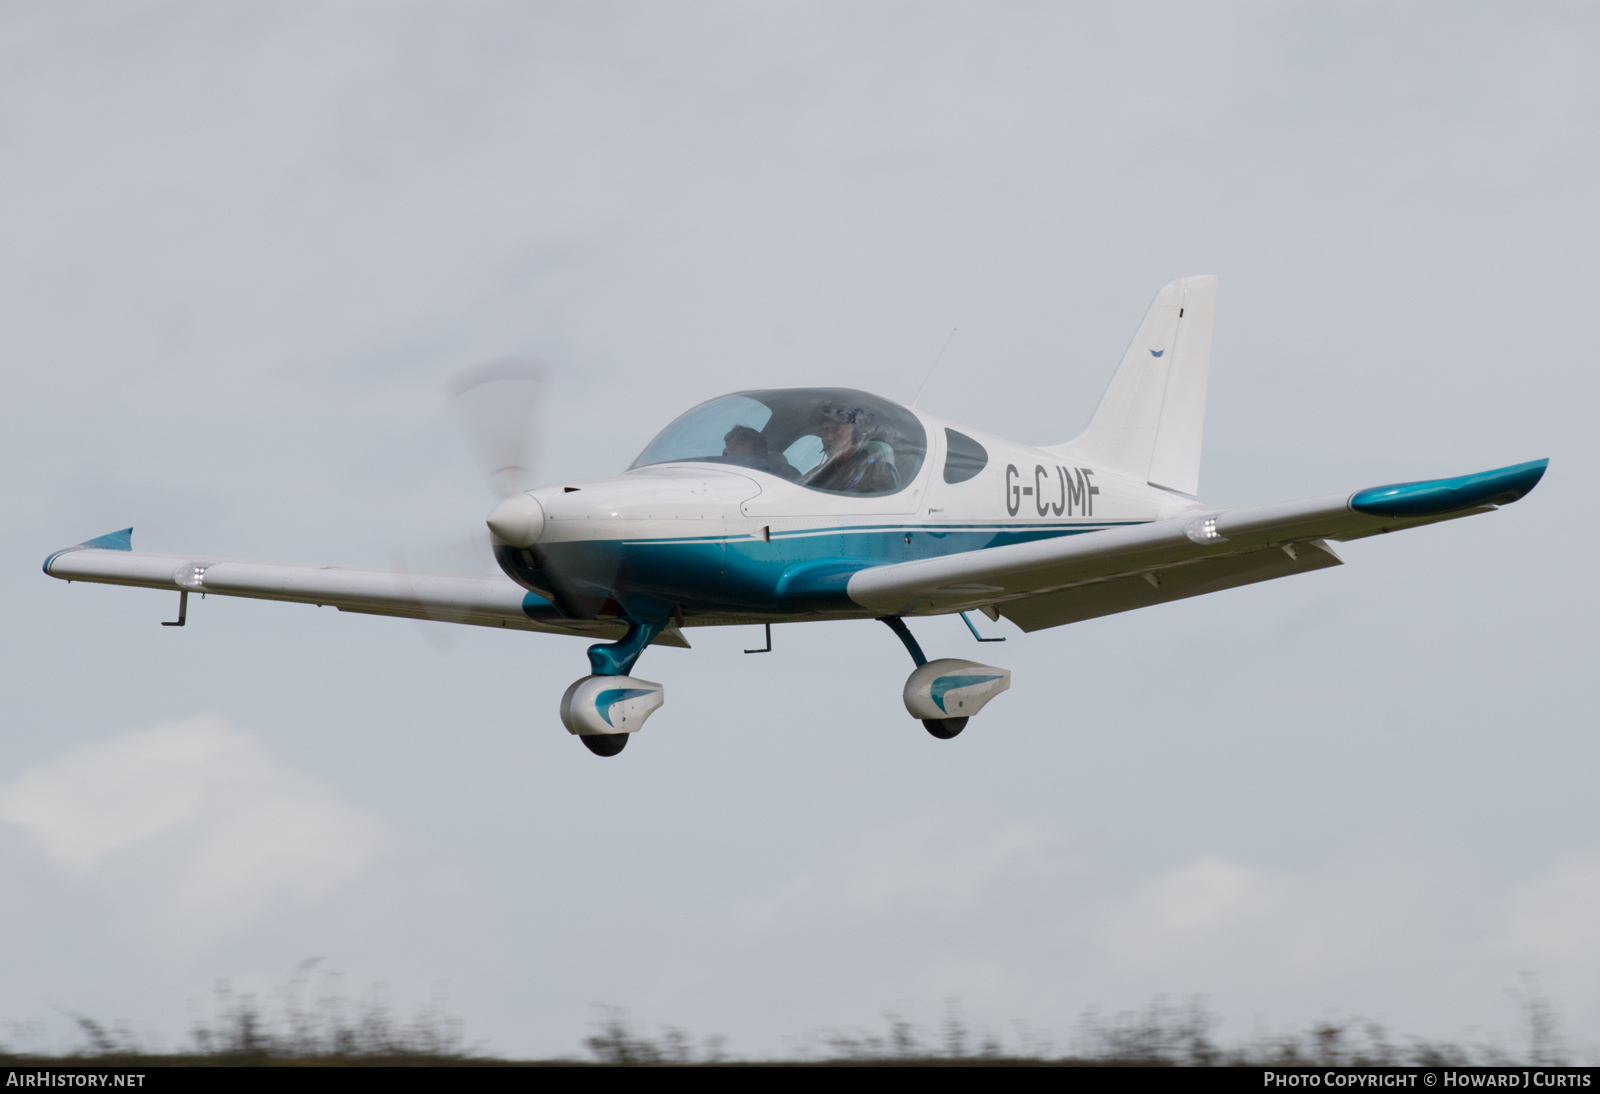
(298,1022)
(326,1027)
(1170,1034)
(302,1022)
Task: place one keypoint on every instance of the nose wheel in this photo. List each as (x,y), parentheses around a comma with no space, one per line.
(603,708)
(942,728)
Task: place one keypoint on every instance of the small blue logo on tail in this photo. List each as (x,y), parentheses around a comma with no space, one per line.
(1157,352)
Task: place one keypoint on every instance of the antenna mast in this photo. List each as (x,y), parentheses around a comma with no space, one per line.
(936,361)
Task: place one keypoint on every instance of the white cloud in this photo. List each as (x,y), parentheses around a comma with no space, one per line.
(1343,916)
(1556,914)
(1017,919)
(234,827)
(941,868)
(1208,893)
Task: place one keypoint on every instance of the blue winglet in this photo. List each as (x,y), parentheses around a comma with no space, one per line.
(111,541)
(1426,499)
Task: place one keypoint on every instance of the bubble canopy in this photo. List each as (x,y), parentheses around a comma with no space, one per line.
(835,440)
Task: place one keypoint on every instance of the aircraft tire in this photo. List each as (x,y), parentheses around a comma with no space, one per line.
(944,728)
(604,744)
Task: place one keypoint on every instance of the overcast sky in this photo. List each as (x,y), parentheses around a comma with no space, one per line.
(243,247)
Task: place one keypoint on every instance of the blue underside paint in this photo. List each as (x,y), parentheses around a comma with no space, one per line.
(537,607)
(944,685)
(795,573)
(612,696)
(1425,499)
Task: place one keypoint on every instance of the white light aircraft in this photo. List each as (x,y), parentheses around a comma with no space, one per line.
(799,504)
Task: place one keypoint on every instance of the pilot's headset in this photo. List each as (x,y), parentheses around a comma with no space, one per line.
(859,417)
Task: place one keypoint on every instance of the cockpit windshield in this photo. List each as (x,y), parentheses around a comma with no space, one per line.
(831,439)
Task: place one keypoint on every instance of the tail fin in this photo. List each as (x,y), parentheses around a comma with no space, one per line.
(1150,420)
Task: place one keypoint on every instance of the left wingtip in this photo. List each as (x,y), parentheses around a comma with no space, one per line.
(112,541)
(1502,486)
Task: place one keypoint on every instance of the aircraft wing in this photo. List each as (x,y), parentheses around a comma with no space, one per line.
(1046,583)
(478,600)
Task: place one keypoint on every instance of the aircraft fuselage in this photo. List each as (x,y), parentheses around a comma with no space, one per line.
(721,543)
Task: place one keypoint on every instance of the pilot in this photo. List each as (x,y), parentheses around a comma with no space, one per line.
(850,464)
(743,445)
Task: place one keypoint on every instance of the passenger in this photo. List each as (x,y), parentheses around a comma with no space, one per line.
(850,465)
(746,446)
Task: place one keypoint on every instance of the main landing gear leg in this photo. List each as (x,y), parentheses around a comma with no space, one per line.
(609,699)
(942,728)
(943,694)
(903,632)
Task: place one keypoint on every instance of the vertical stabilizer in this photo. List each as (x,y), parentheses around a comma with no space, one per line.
(1150,421)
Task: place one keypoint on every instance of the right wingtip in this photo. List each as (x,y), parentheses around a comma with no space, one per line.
(1502,486)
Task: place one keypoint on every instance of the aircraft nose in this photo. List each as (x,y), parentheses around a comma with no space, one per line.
(517,521)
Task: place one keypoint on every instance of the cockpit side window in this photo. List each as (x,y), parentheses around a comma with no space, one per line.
(964,457)
(834,440)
